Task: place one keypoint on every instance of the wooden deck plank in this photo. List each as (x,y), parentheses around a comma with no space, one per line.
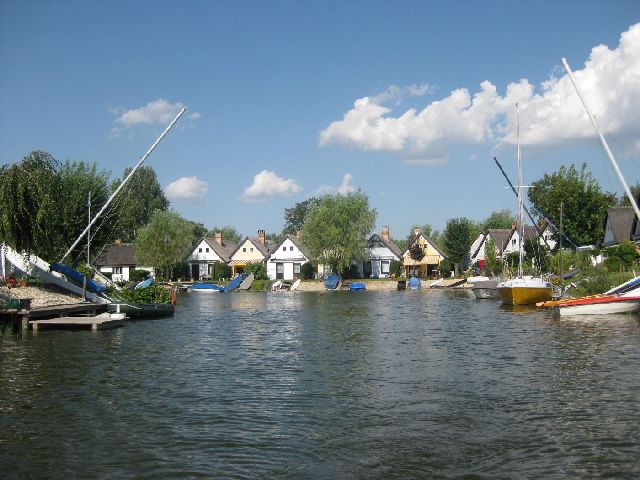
(100,322)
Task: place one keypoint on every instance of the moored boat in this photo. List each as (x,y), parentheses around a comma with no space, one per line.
(524,291)
(205,287)
(485,289)
(601,305)
(331,282)
(357,286)
(414,283)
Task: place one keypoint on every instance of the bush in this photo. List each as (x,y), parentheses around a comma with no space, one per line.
(220,271)
(395,268)
(599,280)
(152,294)
(307,272)
(445,267)
(613,264)
(625,254)
(138,275)
(351,272)
(258,269)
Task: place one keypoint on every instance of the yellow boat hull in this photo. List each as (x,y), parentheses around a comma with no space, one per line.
(524,295)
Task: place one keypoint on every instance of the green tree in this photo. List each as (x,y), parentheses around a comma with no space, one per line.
(457,240)
(258,269)
(29,205)
(635,191)
(624,255)
(294,217)
(307,271)
(164,242)
(336,230)
(500,219)
(395,269)
(585,205)
(493,264)
(229,234)
(77,181)
(137,201)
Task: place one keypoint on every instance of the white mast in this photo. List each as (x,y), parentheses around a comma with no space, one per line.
(104,207)
(520,200)
(602,140)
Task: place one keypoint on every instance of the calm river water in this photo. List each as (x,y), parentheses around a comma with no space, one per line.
(338,385)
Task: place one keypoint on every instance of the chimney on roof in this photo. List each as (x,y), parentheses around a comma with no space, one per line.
(417,231)
(514,225)
(261,236)
(297,233)
(385,233)
(219,238)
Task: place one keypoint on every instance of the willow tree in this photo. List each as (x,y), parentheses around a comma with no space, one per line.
(29,203)
(164,243)
(336,229)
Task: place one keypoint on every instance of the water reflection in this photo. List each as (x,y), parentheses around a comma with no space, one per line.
(294,384)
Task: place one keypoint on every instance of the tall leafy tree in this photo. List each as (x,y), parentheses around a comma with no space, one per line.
(164,243)
(336,230)
(635,191)
(29,204)
(500,219)
(136,202)
(294,217)
(229,233)
(585,204)
(457,239)
(77,181)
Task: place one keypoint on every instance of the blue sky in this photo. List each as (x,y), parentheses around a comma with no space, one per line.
(407,101)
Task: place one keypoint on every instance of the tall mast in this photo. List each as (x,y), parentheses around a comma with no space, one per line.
(89,232)
(520,202)
(104,207)
(603,142)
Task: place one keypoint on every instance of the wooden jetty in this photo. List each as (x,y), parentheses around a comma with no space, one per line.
(104,321)
(27,316)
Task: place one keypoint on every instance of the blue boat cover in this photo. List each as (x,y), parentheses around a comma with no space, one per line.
(145,283)
(331,282)
(233,284)
(77,277)
(357,286)
(413,283)
(206,286)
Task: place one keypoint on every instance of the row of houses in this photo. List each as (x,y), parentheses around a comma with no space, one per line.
(284,260)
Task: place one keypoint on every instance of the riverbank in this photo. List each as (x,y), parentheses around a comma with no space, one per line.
(40,296)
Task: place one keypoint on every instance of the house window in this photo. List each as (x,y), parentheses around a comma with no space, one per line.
(296,270)
(513,242)
(291,249)
(117,270)
(200,250)
(384,266)
(251,249)
(207,250)
(244,249)
(284,249)
(279,271)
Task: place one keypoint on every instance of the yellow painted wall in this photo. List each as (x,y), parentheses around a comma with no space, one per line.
(248,255)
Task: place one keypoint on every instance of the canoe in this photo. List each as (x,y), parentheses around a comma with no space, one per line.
(234,284)
(357,286)
(296,284)
(142,310)
(77,277)
(331,283)
(414,283)
(603,305)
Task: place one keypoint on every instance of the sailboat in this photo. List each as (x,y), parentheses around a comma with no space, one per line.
(522,290)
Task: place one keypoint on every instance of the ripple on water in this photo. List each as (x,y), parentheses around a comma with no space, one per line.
(380,384)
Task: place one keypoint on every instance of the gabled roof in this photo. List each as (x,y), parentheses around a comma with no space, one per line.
(621,221)
(391,245)
(500,236)
(428,240)
(115,255)
(296,241)
(224,251)
(265,248)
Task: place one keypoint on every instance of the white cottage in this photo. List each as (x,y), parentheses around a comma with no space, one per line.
(250,251)
(208,252)
(381,250)
(286,259)
(118,260)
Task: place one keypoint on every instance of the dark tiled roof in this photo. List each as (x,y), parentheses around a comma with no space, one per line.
(500,236)
(224,251)
(117,254)
(391,245)
(266,248)
(621,220)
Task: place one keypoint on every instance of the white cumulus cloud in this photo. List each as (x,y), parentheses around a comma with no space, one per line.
(345,187)
(268,184)
(189,188)
(550,114)
(158,112)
